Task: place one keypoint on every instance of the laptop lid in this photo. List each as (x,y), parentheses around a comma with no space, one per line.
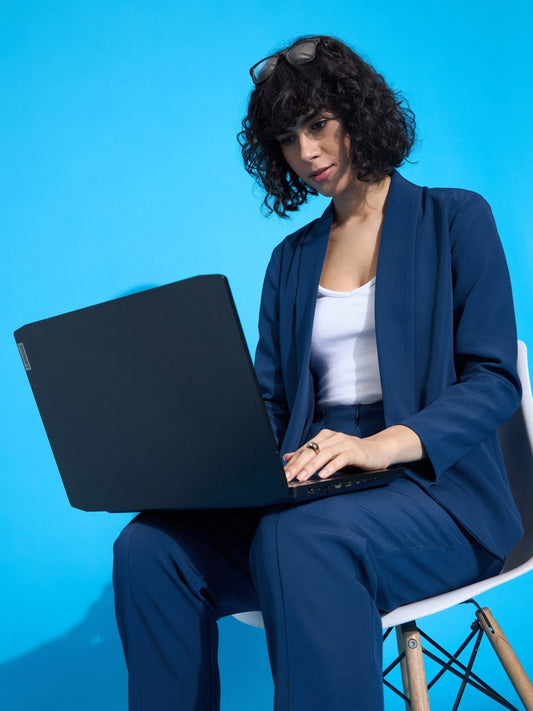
(150,401)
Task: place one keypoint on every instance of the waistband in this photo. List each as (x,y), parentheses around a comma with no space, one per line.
(358,420)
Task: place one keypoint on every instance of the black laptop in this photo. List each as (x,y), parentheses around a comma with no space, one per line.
(150,401)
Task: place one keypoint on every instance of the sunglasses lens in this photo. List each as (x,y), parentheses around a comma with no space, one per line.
(264,69)
(302,52)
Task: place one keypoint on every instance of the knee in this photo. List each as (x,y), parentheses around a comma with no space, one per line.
(274,529)
(124,544)
(138,551)
(303,544)
(300,528)
(289,534)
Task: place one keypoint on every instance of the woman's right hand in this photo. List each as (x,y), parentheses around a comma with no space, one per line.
(337,450)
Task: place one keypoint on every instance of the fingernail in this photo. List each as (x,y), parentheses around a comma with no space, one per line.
(302,476)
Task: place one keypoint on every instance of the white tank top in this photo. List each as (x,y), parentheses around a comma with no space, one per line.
(344,357)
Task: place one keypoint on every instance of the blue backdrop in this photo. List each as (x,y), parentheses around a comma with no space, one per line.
(118,125)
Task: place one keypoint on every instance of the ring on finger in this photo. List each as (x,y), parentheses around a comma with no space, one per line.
(314,446)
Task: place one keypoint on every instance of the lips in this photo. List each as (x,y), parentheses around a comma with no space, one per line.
(321,173)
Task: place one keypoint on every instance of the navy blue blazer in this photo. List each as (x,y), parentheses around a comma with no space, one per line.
(446,340)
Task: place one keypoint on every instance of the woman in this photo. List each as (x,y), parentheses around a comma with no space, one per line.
(386,335)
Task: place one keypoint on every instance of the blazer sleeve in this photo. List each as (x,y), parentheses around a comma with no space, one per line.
(267,357)
(487,388)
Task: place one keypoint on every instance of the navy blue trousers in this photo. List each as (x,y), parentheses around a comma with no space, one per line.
(320,571)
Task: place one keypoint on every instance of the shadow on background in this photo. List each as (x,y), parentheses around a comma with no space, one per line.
(85,669)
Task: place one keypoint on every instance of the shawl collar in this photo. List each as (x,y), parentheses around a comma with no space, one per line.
(395,298)
(299,289)
(313,252)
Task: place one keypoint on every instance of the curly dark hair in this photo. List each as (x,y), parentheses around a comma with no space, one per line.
(378,120)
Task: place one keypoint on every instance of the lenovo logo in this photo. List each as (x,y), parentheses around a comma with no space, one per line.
(24,356)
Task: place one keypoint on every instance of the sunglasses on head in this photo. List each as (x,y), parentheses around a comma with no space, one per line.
(300,53)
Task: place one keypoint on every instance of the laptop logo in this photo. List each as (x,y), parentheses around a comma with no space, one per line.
(24,356)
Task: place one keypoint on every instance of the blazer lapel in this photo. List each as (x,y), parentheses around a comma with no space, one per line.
(312,255)
(395,293)
(300,298)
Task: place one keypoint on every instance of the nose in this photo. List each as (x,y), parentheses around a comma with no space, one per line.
(309,148)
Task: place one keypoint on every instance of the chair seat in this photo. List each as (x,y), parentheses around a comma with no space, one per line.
(422,608)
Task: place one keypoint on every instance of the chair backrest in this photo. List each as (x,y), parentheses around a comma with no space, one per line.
(516,440)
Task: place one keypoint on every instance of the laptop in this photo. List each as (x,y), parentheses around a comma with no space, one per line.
(150,401)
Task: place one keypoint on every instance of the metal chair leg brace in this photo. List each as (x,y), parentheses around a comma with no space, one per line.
(411,663)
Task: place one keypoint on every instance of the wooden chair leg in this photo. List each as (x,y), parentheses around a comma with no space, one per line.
(507,657)
(403,666)
(412,667)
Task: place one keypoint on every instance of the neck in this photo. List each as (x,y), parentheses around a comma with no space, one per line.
(361,200)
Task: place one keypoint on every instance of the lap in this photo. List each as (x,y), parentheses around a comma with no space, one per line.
(392,517)
(413,546)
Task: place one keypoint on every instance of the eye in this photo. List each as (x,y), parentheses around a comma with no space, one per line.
(318,125)
(285,140)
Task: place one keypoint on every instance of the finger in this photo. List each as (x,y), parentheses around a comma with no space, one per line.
(297,461)
(316,464)
(303,461)
(292,473)
(300,462)
(333,466)
(342,451)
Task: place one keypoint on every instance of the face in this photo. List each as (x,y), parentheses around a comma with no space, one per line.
(317,149)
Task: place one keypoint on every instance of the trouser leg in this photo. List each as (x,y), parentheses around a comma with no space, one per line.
(174,575)
(322,626)
(323,571)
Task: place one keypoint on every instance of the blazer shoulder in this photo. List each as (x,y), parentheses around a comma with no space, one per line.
(291,242)
(437,200)
(452,200)
(465,213)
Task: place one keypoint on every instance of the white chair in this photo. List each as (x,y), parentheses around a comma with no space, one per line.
(516,439)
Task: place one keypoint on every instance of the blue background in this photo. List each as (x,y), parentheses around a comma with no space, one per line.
(120,170)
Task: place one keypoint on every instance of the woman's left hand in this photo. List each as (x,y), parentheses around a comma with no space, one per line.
(337,450)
